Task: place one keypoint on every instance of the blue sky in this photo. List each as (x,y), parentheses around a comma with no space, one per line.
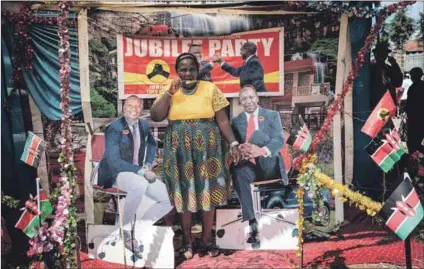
(415,9)
(412,11)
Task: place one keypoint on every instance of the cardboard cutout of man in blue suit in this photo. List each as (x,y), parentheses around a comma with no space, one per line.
(260,134)
(126,163)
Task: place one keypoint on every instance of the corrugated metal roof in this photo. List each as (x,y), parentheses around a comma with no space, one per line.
(299,65)
(413,45)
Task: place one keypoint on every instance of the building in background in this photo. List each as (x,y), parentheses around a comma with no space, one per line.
(413,55)
(303,93)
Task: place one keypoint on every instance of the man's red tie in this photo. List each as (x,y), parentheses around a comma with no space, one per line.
(250,130)
(250,127)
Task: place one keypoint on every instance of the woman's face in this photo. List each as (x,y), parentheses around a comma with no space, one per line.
(187,70)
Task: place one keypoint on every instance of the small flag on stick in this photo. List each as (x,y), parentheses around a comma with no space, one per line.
(386,150)
(34,148)
(300,138)
(403,210)
(34,215)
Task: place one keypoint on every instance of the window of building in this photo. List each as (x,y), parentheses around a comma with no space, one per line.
(288,82)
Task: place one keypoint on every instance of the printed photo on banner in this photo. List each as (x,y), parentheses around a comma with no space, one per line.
(147,63)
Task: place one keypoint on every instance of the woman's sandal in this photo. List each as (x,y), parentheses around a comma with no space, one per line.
(187,252)
(212,250)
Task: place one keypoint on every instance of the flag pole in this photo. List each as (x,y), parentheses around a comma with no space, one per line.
(38,200)
(408,252)
(301,256)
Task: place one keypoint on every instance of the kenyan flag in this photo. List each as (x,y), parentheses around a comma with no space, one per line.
(29,219)
(300,138)
(381,114)
(403,210)
(393,138)
(386,150)
(34,143)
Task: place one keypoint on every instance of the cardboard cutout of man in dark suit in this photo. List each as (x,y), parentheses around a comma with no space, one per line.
(260,134)
(251,72)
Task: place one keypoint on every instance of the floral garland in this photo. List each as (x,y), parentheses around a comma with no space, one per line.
(23,48)
(313,189)
(352,9)
(40,243)
(301,207)
(9,201)
(62,234)
(300,222)
(343,192)
(357,9)
(25,16)
(312,180)
(65,209)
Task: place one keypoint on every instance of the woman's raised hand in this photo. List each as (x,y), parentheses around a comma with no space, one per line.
(175,86)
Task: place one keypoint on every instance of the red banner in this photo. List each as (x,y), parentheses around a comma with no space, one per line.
(146,64)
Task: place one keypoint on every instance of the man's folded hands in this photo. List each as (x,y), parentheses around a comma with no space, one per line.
(149,175)
(250,151)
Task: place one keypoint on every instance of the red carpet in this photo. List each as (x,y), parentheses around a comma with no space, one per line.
(357,247)
(362,243)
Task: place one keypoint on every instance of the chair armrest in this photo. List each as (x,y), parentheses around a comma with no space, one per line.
(112,190)
(258,183)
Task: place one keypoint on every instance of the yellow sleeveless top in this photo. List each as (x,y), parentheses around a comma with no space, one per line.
(202,104)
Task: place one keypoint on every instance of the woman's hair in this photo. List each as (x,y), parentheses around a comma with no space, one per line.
(184,56)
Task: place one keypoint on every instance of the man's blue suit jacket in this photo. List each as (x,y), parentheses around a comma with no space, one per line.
(119,150)
(269,134)
(251,73)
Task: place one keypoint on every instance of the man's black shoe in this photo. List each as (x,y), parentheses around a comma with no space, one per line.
(253,237)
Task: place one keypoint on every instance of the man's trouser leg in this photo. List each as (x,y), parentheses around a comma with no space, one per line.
(135,186)
(157,192)
(243,175)
(246,173)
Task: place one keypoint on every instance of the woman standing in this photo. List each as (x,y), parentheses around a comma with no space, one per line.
(196,171)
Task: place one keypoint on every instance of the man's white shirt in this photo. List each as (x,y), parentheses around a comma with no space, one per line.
(255,117)
(405,85)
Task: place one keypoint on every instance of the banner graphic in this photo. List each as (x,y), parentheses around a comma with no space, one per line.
(146,64)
